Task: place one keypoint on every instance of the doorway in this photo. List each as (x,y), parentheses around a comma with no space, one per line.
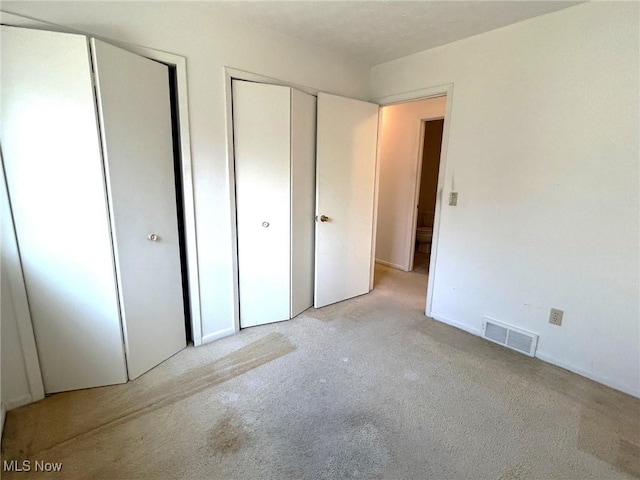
(404,129)
(410,129)
(427,189)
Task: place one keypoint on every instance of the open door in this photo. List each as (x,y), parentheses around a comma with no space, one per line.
(135,115)
(347,135)
(51,156)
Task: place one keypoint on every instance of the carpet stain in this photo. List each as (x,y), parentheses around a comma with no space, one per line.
(228,435)
(609,434)
(341,445)
(359,449)
(144,402)
(325,314)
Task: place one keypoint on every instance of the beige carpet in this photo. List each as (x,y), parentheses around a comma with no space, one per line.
(368,388)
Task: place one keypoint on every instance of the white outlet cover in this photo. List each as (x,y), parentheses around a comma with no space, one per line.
(555,317)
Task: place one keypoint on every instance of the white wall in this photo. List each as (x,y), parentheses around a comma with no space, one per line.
(399,147)
(543,149)
(209,42)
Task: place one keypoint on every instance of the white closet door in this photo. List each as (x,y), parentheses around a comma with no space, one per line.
(51,153)
(303,199)
(262,142)
(135,113)
(346,165)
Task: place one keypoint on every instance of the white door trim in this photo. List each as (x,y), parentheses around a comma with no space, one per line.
(180,64)
(436,91)
(188,201)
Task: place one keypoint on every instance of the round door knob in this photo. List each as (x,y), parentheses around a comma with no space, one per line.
(153,237)
(324,218)
(265,224)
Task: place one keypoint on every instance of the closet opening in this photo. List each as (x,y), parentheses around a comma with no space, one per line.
(177,171)
(332,218)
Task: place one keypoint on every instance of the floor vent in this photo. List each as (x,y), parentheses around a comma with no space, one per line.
(510,337)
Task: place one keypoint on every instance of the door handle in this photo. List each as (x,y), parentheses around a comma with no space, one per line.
(324,218)
(153,237)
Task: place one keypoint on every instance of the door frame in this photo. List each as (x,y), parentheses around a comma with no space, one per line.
(423,94)
(189,213)
(231,74)
(188,199)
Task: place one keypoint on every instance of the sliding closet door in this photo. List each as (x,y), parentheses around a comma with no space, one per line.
(134,106)
(51,155)
(262,142)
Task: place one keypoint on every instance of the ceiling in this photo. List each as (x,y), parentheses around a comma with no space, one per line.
(374,32)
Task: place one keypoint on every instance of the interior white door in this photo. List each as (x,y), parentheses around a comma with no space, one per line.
(53,165)
(262,149)
(135,114)
(345,186)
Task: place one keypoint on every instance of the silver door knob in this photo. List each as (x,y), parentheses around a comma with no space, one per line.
(153,237)
(265,224)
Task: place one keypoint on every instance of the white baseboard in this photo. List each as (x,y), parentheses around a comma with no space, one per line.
(630,390)
(216,335)
(453,323)
(389,264)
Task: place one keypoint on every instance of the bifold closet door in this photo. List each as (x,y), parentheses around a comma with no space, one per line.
(135,113)
(262,143)
(51,155)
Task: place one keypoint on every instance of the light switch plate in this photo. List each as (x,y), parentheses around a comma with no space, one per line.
(453,198)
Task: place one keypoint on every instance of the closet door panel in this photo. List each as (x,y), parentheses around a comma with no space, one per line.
(262,139)
(51,155)
(303,201)
(135,113)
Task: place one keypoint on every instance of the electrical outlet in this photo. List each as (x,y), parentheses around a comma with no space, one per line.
(453,198)
(556,316)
